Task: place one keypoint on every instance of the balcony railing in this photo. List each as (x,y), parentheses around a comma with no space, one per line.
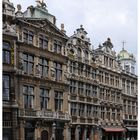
(43,114)
(7,124)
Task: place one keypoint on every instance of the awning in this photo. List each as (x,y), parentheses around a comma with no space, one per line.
(112,129)
(131,128)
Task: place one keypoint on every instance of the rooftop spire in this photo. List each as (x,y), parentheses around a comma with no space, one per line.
(123,42)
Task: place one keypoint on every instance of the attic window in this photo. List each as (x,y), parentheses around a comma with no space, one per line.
(82,36)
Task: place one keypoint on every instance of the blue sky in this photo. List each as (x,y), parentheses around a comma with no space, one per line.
(116,19)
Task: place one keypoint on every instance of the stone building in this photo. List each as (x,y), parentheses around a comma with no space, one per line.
(129,92)
(83,87)
(57,87)
(10,106)
(110,95)
(35,87)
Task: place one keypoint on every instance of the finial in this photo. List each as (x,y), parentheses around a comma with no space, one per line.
(81,26)
(123,42)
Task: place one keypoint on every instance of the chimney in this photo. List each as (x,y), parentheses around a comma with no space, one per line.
(62,28)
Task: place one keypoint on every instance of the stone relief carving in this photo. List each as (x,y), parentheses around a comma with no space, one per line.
(9,28)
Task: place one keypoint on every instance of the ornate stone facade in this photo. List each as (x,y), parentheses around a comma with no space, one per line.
(56,87)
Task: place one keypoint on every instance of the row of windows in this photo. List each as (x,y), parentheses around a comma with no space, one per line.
(109,79)
(79,109)
(82,69)
(93,111)
(128,86)
(82,88)
(28,37)
(42,67)
(109,95)
(28,92)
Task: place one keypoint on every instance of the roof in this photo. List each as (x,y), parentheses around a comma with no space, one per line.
(123,55)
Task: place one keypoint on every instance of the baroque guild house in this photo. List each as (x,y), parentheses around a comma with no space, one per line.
(57,87)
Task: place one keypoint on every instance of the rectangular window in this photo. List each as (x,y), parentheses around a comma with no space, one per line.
(6,87)
(112,79)
(58,100)
(132,88)
(73,87)
(6,53)
(95,111)
(87,71)
(108,113)
(28,36)
(94,91)
(57,46)
(101,76)
(44,67)
(128,87)
(80,69)
(28,92)
(44,98)
(118,114)
(117,81)
(43,42)
(73,109)
(80,88)
(106,78)
(113,114)
(102,93)
(81,109)
(58,71)
(113,96)
(123,85)
(72,67)
(89,110)
(88,90)
(94,74)
(28,63)
(103,113)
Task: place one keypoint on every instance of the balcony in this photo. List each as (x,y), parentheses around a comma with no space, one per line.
(44,114)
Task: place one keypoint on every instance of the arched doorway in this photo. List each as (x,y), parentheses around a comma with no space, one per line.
(44,135)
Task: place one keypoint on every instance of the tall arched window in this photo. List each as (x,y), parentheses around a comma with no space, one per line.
(79,52)
(6,53)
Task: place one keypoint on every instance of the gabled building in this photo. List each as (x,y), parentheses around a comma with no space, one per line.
(57,87)
(34,76)
(129,92)
(110,92)
(83,87)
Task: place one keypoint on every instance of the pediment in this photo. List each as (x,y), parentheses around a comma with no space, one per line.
(46,25)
